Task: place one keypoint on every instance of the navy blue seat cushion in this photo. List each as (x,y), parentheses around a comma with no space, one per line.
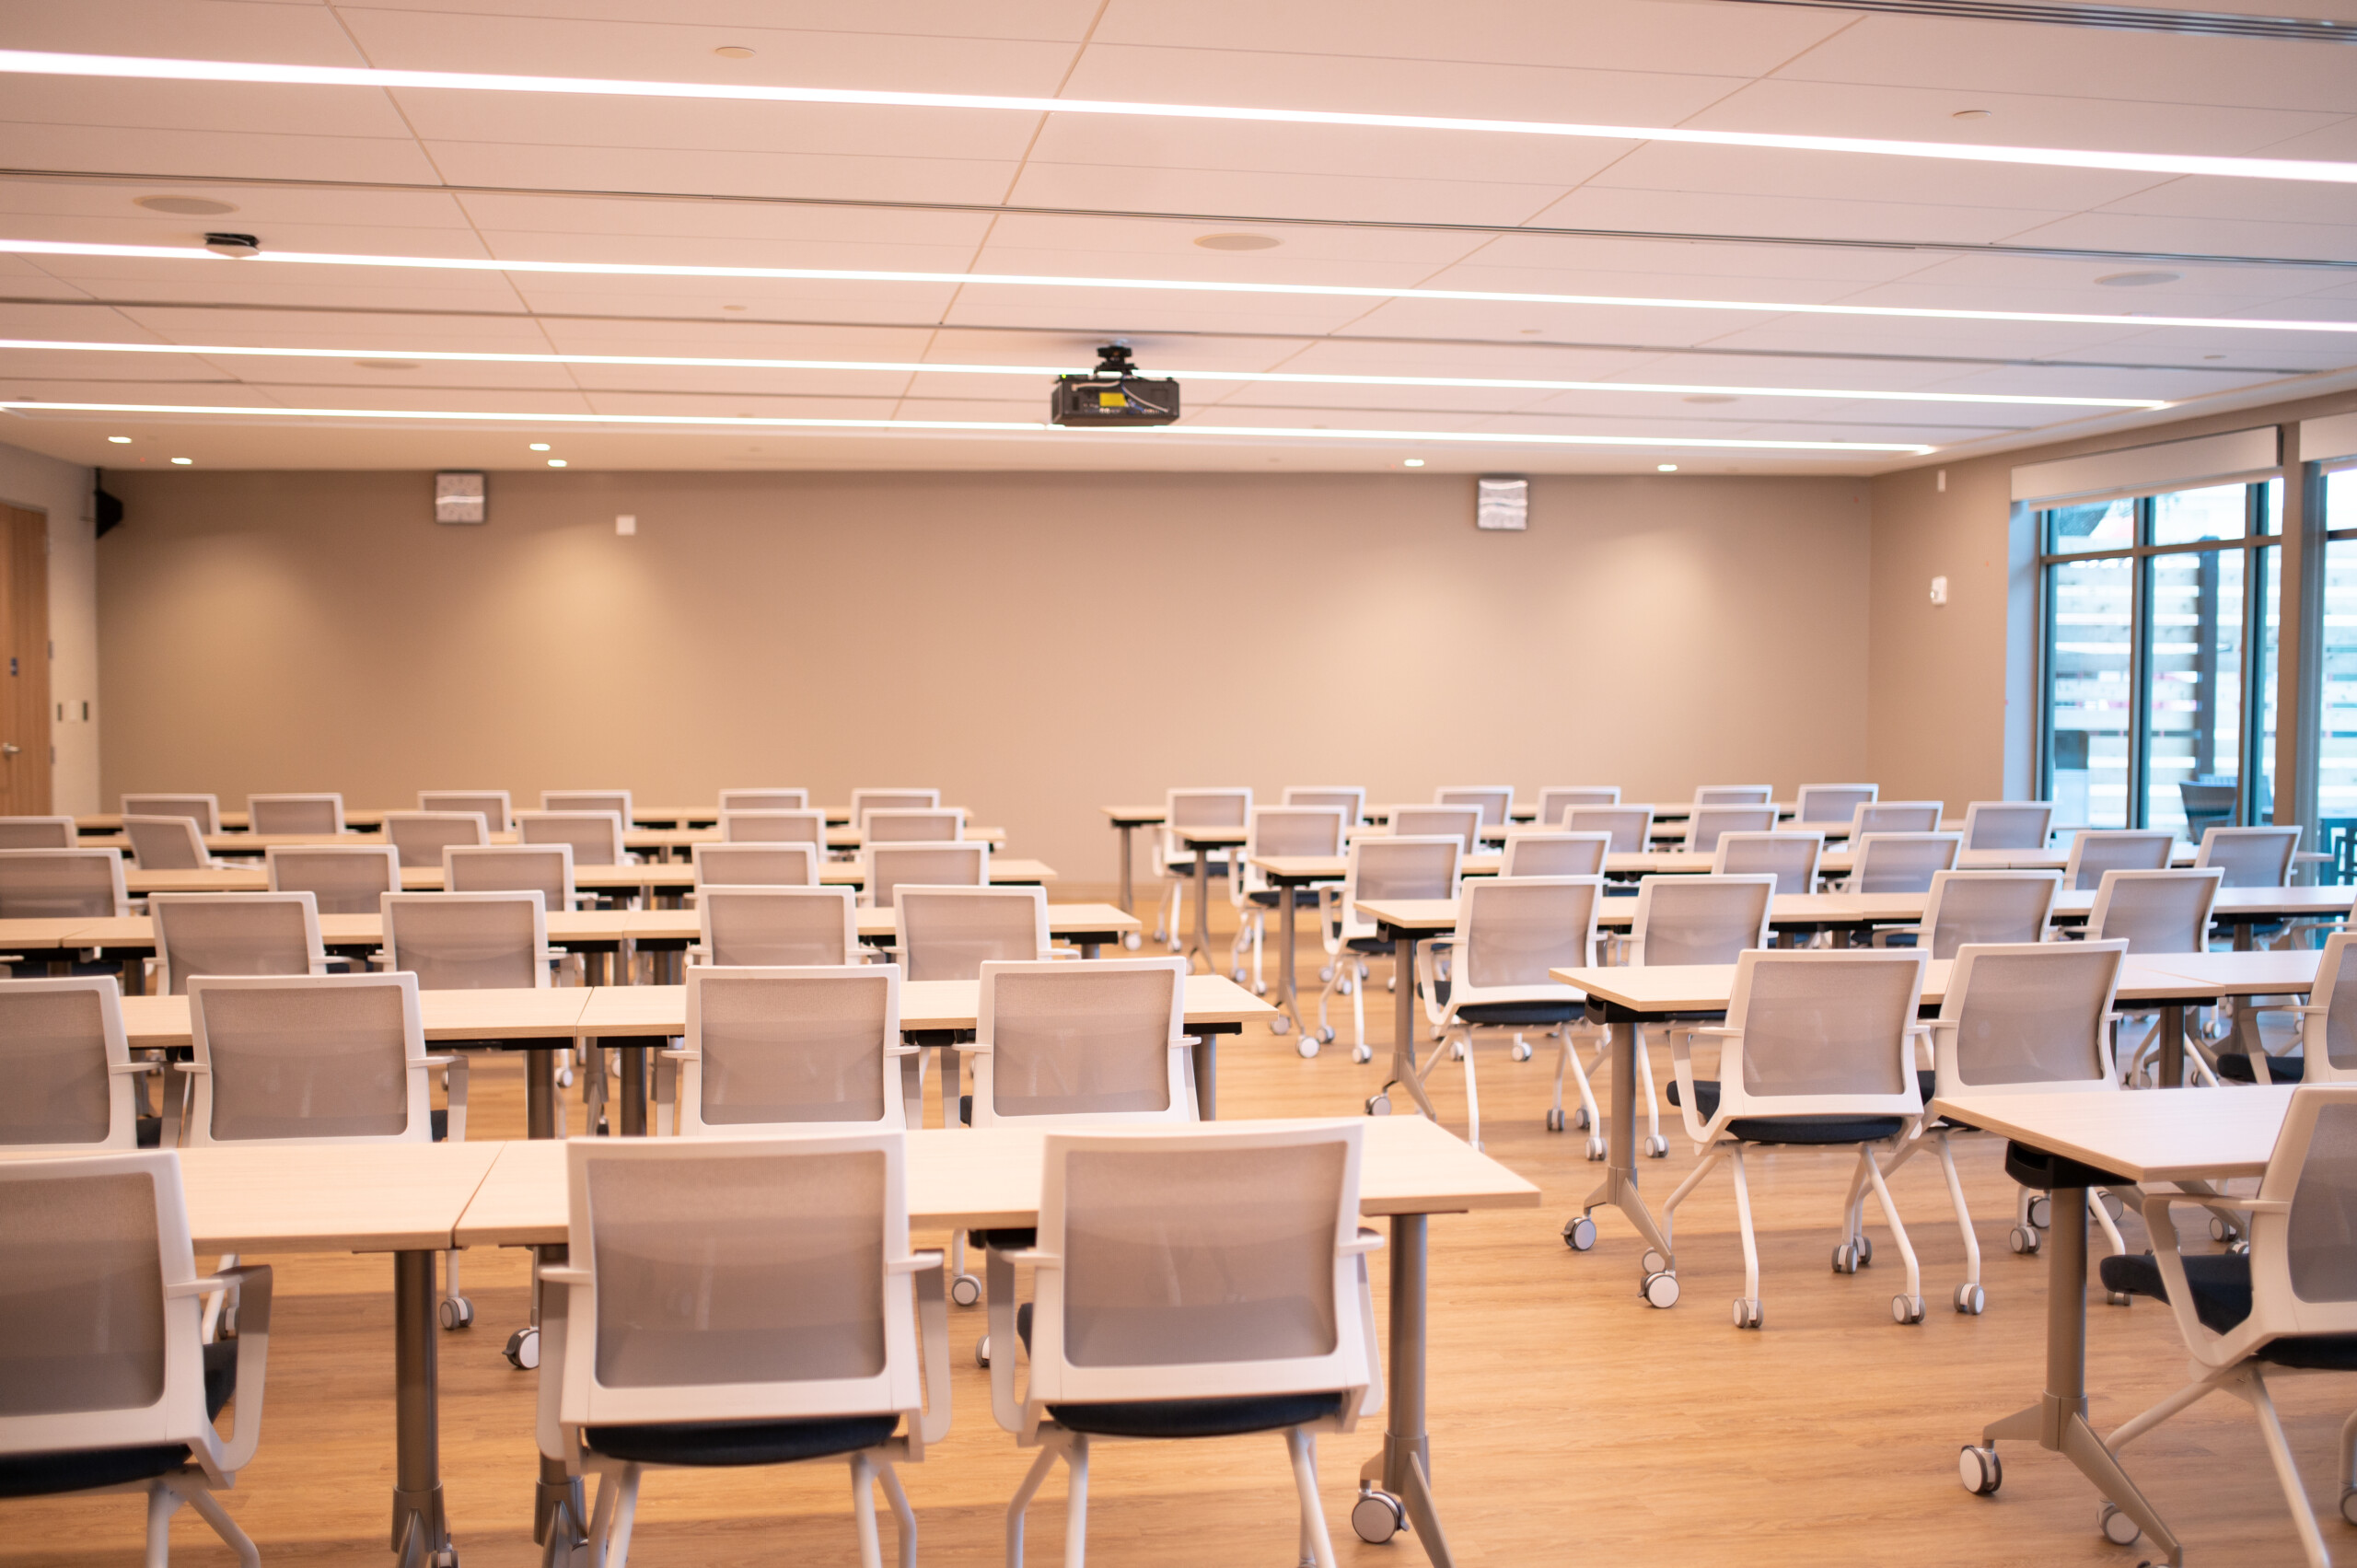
(2237,1068)
(1521,1013)
(714,1443)
(42,1475)
(1370,945)
(149,1132)
(2043,1172)
(1791,1129)
(2222,1300)
(441,1124)
(1003,1240)
(1197,1418)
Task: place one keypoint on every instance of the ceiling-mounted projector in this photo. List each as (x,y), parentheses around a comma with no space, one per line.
(1113,393)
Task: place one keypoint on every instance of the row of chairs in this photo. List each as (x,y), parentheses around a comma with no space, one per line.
(322,811)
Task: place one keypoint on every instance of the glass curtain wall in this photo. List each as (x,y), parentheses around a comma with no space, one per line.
(2337,739)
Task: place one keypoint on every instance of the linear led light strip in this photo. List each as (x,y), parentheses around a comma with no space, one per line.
(915,367)
(960,426)
(1186,285)
(37,63)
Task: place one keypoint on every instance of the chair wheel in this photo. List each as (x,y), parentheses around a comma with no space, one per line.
(1980,1470)
(1846,1259)
(1652,1262)
(2117,1527)
(1237,974)
(1325,974)
(1659,1289)
(2348,1504)
(2112,1205)
(457,1312)
(1377,1517)
(1746,1312)
(1457,1052)
(1555,1120)
(1656,1148)
(1907,1309)
(1280,1025)
(564,1077)
(2118,1298)
(1865,1249)
(1579,1232)
(1521,1051)
(1971,1299)
(1325,1037)
(1378,1105)
(2022,1240)
(1306,1045)
(2220,1230)
(2041,1212)
(965,1290)
(1362,1054)
(523,1350)
(1597,1148)
(1579,1117)
(982,1353)
(1132,941)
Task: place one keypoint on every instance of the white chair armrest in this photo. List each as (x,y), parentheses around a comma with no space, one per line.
(456,1062)
(1681,1063)
(933,1330)
(1368,1241)
(253,1283)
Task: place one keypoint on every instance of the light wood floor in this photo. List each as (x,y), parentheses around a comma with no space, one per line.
(1570,1422)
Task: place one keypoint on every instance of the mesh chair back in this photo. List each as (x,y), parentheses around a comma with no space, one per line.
(1901,862)
(2158,912)
(1462,822)
(234,933)
(2303,1261)
(335,1058)
(1707,822)
(1556,799)
(1349,799)
(420,837)
(62,884)
(1989,908)
(1224,807)
(1295,830)
(340,878)
(757,864)
(66,1063)
(950,933)
(1896,817)
(204,810)
(1397,869)
(1734,794)
(468,941)
(1511,932)
(2331,1030)
(1496,801)
(797,827)
(1631,826)
(2095,852)
(1073,1040)
(754,1267)
(886,867)
(1833,804)
(295,813)
(2008,824)
(568,800)
(85,1249)
(1791,858)
(767,927)
(545,869)
(1180,1254)
(2034,1013)
(780,1047)
(864,801)
(1828,1027)
(497,811)
(165,843)
(764,800)
(595,836)
(1700,920)
(37,833)
(2251,858)
(884,825)
(1556,855)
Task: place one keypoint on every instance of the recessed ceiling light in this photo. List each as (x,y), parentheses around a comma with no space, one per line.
(185,206)
(120,440)
(1411,462)
(1969,114)
(1709,397)
(539,446)
(556,462)
(733,52)
(387,363)
(183,461)
(1238,241)
(1664,468)
(2136,280)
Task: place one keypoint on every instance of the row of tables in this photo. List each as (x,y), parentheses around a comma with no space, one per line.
(659,840)
(651,879)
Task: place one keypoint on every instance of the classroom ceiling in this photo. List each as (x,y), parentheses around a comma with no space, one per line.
(436,174)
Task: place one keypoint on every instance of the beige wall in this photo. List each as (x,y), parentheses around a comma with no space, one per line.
(1036,645)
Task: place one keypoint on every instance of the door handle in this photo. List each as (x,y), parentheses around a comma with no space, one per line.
(9,748)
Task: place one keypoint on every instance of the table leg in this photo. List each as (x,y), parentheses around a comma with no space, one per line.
(633,1089)
(1404,1467)
(2058,1420)
(953,1082)
(556,1491)
(1128,898)
(1202,940)
(1403,1031)
(540,1107)
(2171,1065)
(1619,1188)
(1206,1075)
(421,1532)
(1088,950)
(1288,995)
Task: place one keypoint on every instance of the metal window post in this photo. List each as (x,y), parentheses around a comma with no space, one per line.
(2299,706)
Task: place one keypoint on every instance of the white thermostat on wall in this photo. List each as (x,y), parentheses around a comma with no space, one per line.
(1502,503)
(458,498)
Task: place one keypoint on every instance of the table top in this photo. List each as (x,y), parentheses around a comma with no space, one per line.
(989,1175)
(154,1023)
(2240,974)
(1334,867)
(1419,917)
(330,1197)
(924,1004)
(1007,869)
(2148,1136)
(2158,977)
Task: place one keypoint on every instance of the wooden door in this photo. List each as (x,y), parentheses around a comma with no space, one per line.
(24,641)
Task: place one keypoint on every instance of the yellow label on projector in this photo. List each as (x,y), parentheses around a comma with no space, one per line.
(1112,400)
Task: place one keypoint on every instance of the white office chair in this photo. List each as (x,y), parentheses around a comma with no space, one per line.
(1790,857)
(481,941)
(900,825)
(1707,822)
(234,933)
(884,867)
(1895,817)
(1832,806)
(809,1049)
(107,1382)
(1496,801)
(1349,799)
(1376,868)
(73,1087)
(1463,822)
(1555,854)
(1510,933)
(204,810)
(2251,858)
(2328,1024)
(949,933)
(2031,1017)
(771,800)
(1989,908)
(37,833)
(1817,1051)
(566,801)
(1899,862)
(340,878)
(2287,1305)
(2008,824)
(731,1302)
(2159,911)
(595,836)
(1311,831)
(758,865)
(1556,799)
(420,837)
(545,869)
(2095,851)
(62,884)
(770,926)
(322,813)
(493,806)
(779,826)
(167,843)
(1202,1284)
(1213,808)
(1630,827)
(864,801)
(1735,794)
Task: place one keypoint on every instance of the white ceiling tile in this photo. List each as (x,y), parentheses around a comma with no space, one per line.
(1060,20)
(294,34)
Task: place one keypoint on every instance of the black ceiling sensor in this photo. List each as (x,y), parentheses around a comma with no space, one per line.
(1113,394)
(107,511)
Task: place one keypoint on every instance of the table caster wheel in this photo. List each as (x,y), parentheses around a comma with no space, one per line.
(1132,941)
(1579,1232)
(2113,1206)
(1656,1148)
(2118,1298)
(1362,1054)
(965,1290)
(1579,1117)
(982,1353)
(1659,1289)
(1595,1147)
(1306,1045)
(2041,1212)
(564,1077)
(1846,1259)
(523,1351)
(1377,1517)
(1980,1470)
(1280,1025)
(2117,1527)
(1521,1051)
(1746,1312)
(1378,1105)
(1907,1309)
(1971,1299)
(1555,1120)
(2022,1240)
(2221,1229)
(457,1312)
(2348,1504)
